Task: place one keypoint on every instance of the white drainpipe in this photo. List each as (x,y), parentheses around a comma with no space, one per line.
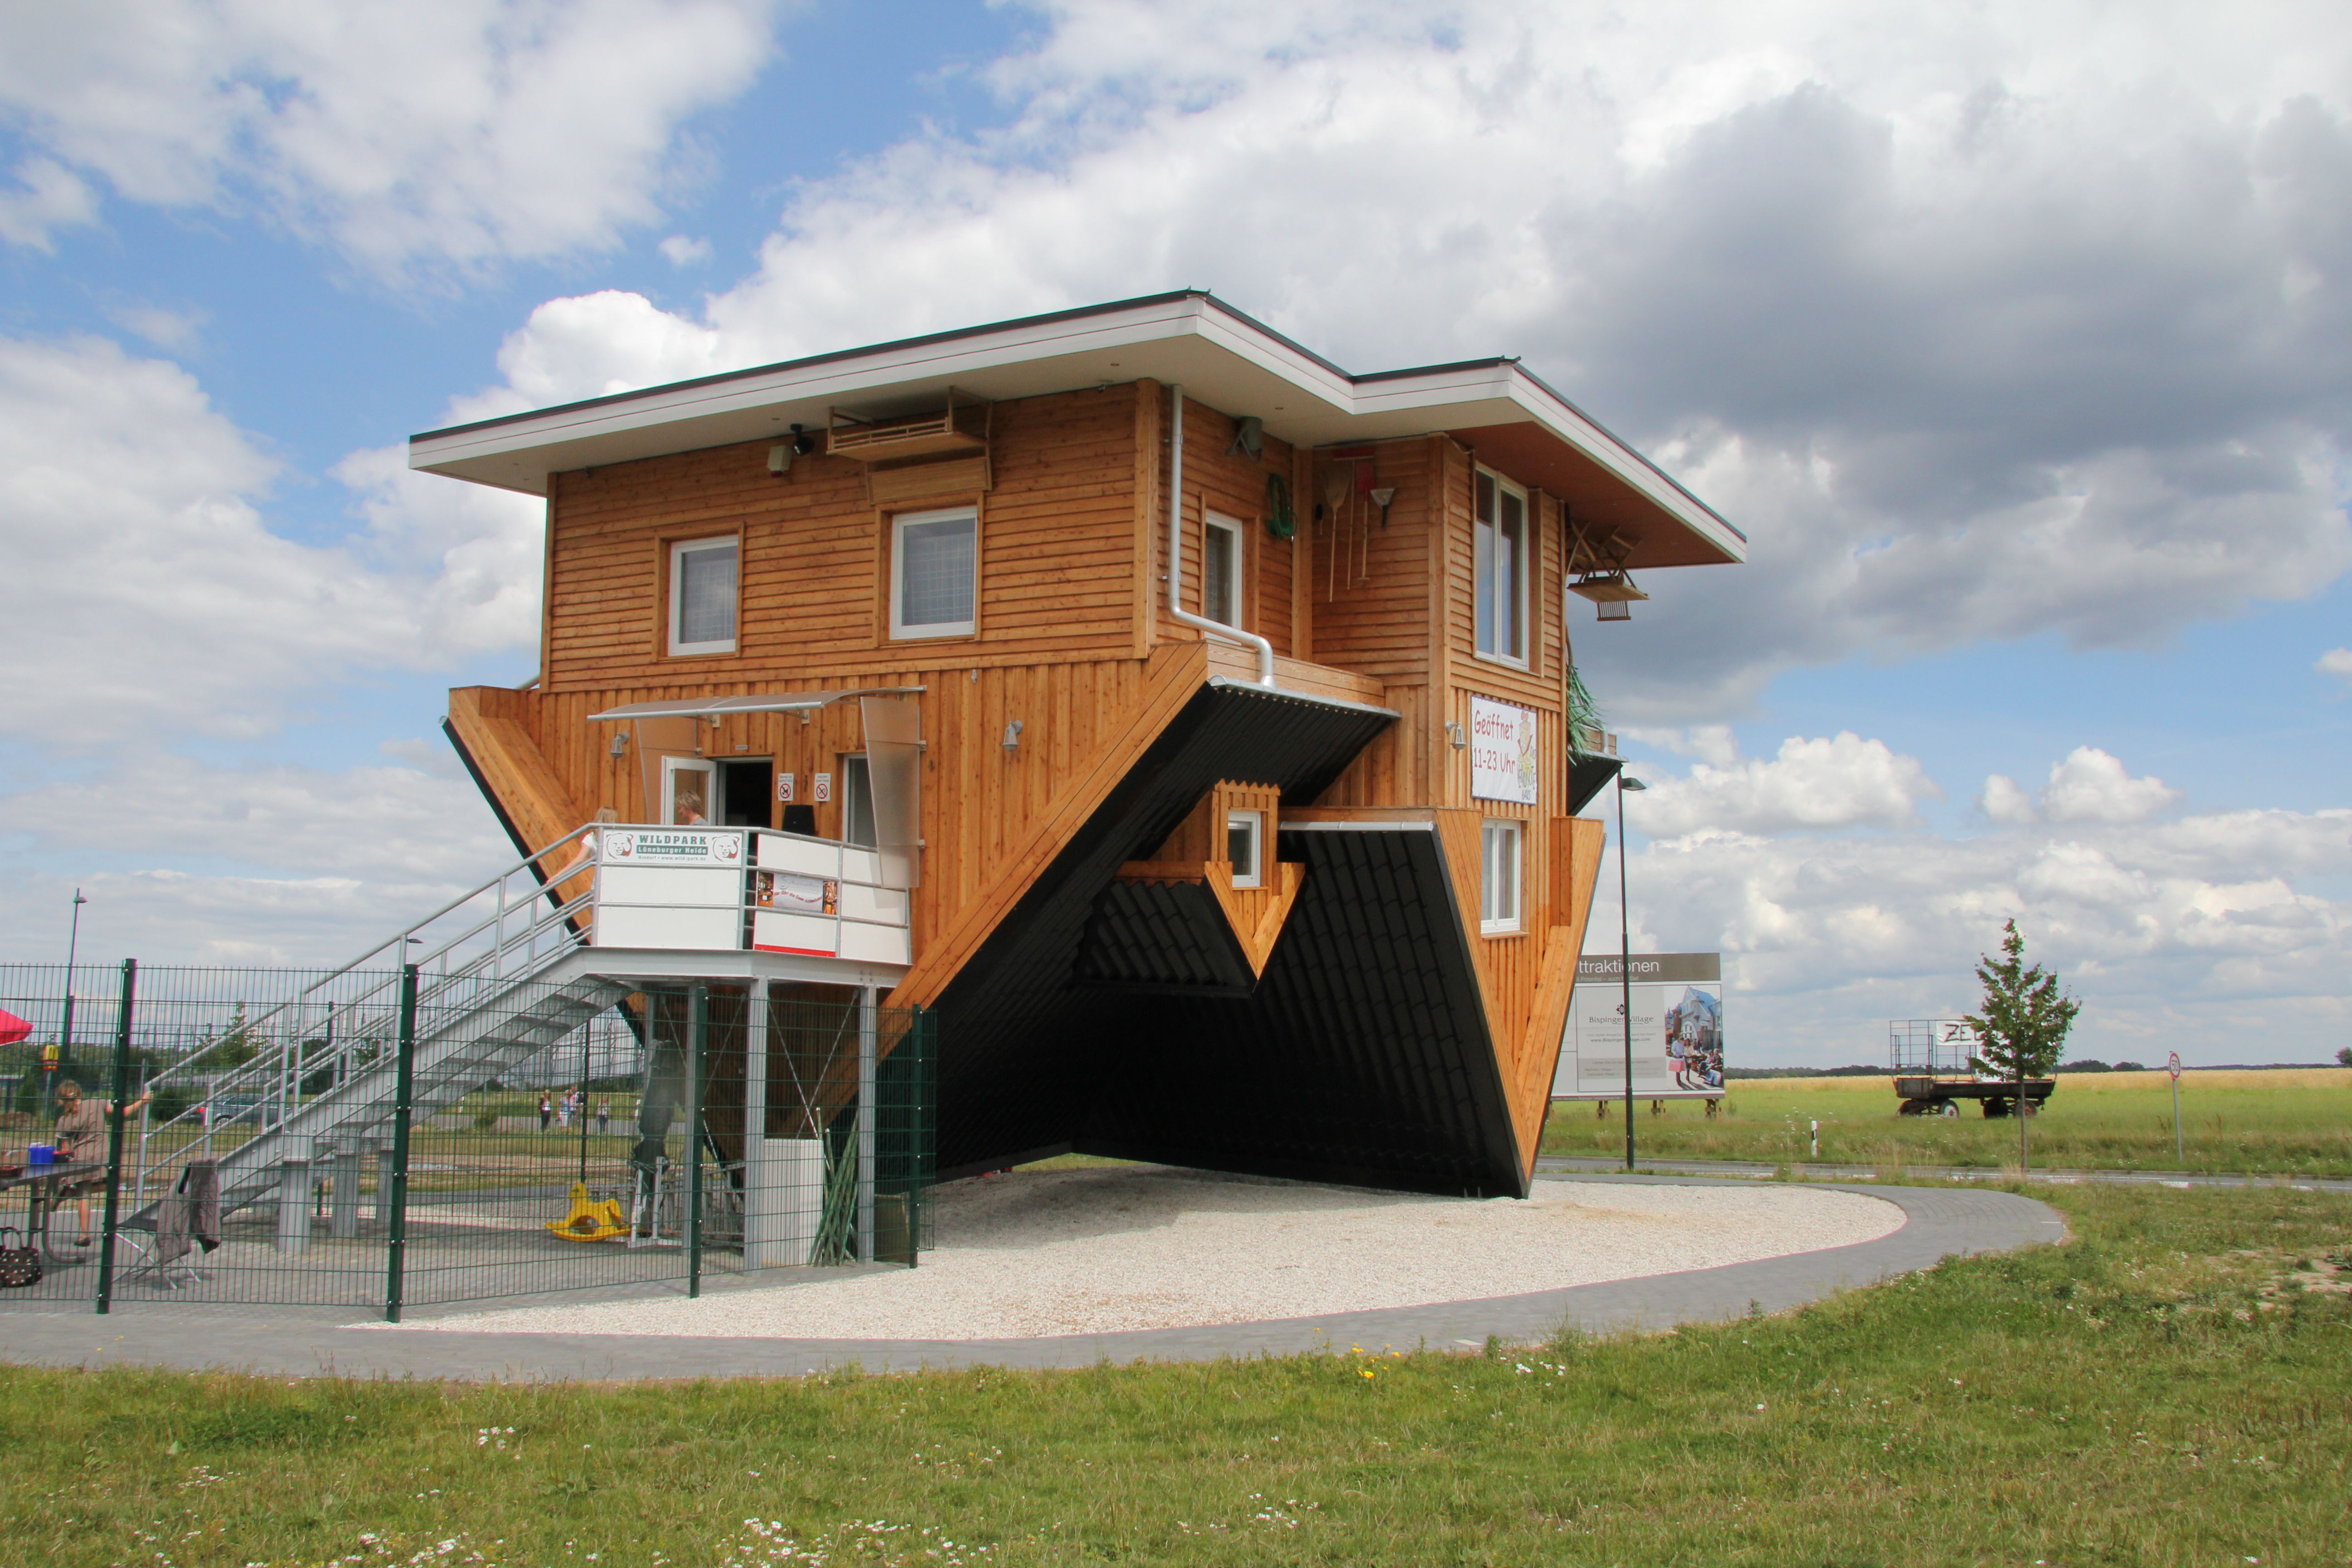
(1176,551)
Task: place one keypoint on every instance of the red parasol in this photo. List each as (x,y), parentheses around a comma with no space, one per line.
(12,1028)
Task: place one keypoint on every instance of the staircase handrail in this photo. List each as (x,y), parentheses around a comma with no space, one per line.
(276,1071)
(269,1072)
(397,943)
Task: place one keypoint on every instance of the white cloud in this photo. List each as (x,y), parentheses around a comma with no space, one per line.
(2003,801)
(589,345)
(2202,934)
(680,251)
(2199,933)
(2091,786)
(1841,782)
(2337,662)
(166,328)
(1713,744)
(2013,319)
(319,864)
(49,198)
(462,560)
(440,133)
(165,603)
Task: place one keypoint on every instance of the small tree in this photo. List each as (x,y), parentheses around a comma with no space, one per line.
(2022,1027)
(2345,1055)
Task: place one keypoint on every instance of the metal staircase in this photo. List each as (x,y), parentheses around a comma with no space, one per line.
(503,973)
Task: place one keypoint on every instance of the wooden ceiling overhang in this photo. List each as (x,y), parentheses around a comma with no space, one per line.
(1618,523)
(1222,358)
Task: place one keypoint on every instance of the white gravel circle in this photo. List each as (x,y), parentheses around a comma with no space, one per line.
(1104,1250)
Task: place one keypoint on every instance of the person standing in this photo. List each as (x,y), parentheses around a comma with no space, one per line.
(81,1141)
(546,1111)
(604,1115)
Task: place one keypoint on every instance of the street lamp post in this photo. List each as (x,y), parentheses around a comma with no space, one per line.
(65,1021)
(1625,781)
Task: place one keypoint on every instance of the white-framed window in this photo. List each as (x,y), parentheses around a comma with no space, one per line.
(702,596)
(1500,548)
(1220,570)
(1245,847)
(1498,880)
(934,573)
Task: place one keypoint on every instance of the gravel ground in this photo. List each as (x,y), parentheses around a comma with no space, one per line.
(1102,1250)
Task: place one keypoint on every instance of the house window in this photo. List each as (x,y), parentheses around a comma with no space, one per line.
(1499,885)
(1244,839)
(1500,550)
(702,596)
(935,573)
(1220,570)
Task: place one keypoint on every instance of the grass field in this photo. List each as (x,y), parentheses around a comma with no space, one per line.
(2295,1121)
(2172,1388)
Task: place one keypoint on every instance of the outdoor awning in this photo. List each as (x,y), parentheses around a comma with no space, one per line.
(721,707)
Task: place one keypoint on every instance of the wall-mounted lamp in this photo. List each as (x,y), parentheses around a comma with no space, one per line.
(1013,736)
(781,455)
(1458,735)
(1381,499)
(1615,610)
(620,744)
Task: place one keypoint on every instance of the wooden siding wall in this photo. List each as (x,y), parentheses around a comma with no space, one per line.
(1231,484)
(979,801)
(1057,578)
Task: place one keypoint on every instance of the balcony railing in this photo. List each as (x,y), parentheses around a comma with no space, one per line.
(726,890)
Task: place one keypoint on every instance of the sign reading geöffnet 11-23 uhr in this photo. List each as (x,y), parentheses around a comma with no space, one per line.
(1677,1028)
(1502,752)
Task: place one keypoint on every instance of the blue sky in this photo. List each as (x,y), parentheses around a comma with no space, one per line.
(2016,336)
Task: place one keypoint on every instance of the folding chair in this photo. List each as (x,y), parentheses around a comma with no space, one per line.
(192,1208)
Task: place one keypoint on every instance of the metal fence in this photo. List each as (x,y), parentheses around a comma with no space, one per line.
(536,1138)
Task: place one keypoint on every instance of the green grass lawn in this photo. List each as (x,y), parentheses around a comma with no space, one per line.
(2172,1388)
(2296,1122)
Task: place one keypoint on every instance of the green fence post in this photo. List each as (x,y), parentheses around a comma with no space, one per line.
(697,1025)
(65,1052)
(587,1065)
(115,1132)
(404,1093)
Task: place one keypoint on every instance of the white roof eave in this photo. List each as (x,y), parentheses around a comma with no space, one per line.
(1223,360)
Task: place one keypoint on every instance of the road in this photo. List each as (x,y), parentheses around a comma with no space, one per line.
(1757,1171)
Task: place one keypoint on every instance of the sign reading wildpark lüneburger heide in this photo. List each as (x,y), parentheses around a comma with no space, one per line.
(1677,1028)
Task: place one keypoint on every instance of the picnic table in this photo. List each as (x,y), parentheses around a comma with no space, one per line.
(44,1194)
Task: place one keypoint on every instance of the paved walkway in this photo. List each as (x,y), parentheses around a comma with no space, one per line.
(1803,1171)
(1939,1223)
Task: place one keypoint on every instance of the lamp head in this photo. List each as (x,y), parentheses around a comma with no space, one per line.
(1627,780)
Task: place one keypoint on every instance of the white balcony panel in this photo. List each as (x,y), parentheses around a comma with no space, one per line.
(810,857)
(888,905)
(702,930)
(877,944)
(674,886)
(775,932)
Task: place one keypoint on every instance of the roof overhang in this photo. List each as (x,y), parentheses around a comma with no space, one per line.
(1222,358)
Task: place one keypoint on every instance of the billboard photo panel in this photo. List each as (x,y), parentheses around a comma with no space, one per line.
(1677,1029)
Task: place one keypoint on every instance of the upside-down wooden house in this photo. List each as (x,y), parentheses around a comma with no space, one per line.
(1208,706)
